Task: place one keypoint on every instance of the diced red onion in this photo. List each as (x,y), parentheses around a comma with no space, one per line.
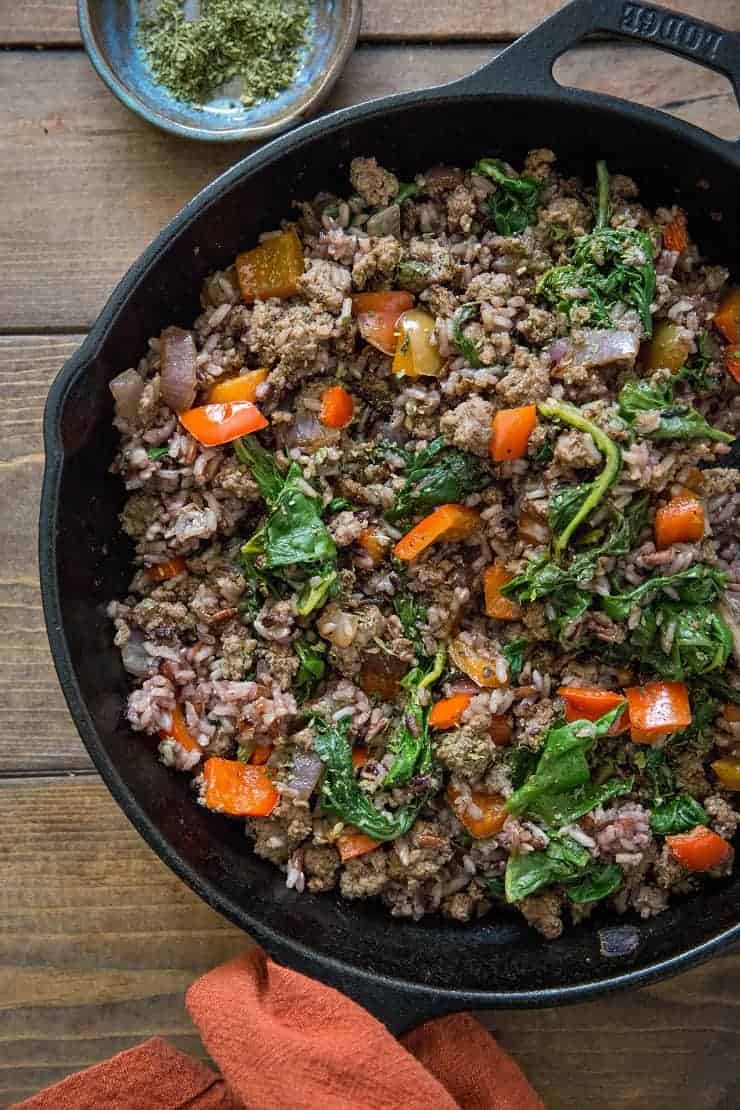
(306,773)
(620,940)
(598,347)
(558,350)
(135,658)
(178,377)
(127,389)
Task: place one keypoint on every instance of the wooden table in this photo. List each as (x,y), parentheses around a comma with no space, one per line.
(98,940)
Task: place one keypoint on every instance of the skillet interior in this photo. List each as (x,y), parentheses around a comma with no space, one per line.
(494,962)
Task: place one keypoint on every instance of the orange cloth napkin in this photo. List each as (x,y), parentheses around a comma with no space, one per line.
(285,1042)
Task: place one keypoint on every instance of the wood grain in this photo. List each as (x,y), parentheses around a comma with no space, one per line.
(97,951)
(36,732)
(90,184)
(55,21)
(98,940)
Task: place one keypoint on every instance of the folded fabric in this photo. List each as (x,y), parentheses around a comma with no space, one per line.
(286,1042)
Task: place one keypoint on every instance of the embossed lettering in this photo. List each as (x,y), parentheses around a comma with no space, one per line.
(647,23)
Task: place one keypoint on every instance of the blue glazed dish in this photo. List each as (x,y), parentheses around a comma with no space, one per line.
(109,32)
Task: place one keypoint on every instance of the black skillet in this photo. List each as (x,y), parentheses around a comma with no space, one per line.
(404,972)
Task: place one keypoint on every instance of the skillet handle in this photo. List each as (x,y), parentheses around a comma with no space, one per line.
(527,63)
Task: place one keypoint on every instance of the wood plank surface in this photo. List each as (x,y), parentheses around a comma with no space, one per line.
(99,941)
(36,732)
(55,21)
(88,184)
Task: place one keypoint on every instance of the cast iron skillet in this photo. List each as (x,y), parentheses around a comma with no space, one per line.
(402,971)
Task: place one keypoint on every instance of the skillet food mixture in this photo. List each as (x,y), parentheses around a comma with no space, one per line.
(437,570)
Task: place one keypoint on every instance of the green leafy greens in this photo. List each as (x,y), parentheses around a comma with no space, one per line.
(675,421)
(679,814)
(411,614)
(465,346)
(695,372)
(293,545)
(569,508)
(514,204)
(312,667)
(341,795)
(410,744)
(156,453)
(563,861)
(559,789)
(697,585)
(406,190)
(436,476)
(514,653)
(609,266)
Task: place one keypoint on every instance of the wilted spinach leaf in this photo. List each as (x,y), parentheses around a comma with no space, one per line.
(155,453)
(528,872)
(679,814)
(613,265)
(599,881)
(697,585)
(677,421)
(514,653)
(341,795)
(562,768)
(465,346)
(293,535)
(406,190)
(410,744)
(700,641)
(438,475)
(312,668)
(411,614)
(514,204)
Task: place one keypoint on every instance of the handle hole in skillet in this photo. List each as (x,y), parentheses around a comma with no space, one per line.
(655,79)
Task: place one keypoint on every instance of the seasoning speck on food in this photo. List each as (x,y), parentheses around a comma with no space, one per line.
(194,49)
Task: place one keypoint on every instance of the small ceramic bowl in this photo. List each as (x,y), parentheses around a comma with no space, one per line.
(108,30)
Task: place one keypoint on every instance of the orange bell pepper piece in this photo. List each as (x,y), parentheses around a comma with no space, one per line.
(511,431)
(352,843)
(180,732)
(239,789)
(243,388)
(493,813)
(447,712)
(680,521)
(373,545)
(498,606)
(732,362)
(675,236)
(480,668)
(448,522)
(657,709)
(213,425)
(589,704)
(271,269)
(699,850)
(261,754)
(727,316)
(162,572)
(501,731)
(359,756)
(728,772)
(337,407)
(377,315)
